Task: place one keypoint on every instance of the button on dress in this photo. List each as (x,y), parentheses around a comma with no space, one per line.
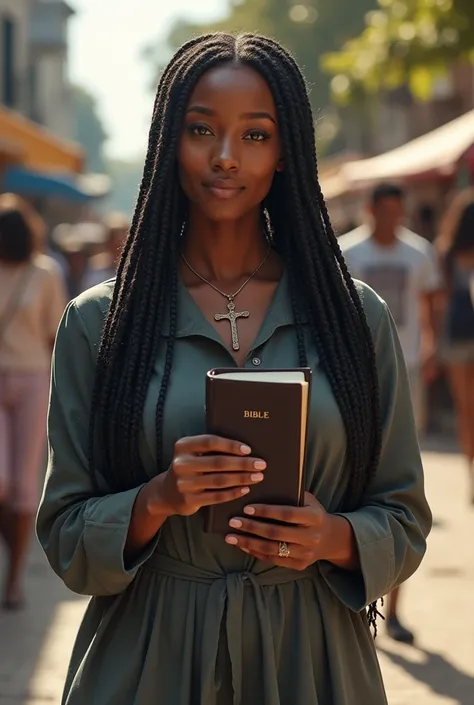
(193,620)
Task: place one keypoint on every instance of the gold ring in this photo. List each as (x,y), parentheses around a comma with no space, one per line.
(283,550)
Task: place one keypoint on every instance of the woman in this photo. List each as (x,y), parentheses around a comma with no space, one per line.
(31,304)
(229,205)
(456,245)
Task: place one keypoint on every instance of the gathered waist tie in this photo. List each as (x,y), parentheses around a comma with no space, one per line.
(227,594)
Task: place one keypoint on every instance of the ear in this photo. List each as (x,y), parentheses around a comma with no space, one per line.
(281,165)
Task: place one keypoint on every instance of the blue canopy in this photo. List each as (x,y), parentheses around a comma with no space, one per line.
(23,181)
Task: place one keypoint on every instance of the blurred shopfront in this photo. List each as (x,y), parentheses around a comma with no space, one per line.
(47,170)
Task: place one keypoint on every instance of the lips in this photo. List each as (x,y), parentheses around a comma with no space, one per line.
(224,189)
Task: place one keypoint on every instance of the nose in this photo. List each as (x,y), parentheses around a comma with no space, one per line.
(225,157)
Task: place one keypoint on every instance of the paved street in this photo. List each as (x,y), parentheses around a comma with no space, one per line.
(437,603)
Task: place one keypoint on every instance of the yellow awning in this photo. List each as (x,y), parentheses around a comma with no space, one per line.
(36,147)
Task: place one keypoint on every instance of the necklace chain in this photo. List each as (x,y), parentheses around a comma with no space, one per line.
(229,297)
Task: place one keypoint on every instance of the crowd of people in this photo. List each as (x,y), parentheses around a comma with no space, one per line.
(88,252)
(429,289)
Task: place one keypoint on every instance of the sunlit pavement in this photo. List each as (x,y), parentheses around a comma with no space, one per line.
(438,601)
(437,604)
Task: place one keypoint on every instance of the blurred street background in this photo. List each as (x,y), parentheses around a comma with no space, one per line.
(392,88)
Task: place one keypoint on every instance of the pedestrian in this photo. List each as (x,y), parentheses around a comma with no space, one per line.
(32,301)
(104,265)
(272,612)
(78,243)
(403,269)
(456,246)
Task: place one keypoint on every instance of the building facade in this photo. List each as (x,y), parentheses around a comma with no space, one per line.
(14,54)
(388,120)
(34,62)
(37,160)
(51,92)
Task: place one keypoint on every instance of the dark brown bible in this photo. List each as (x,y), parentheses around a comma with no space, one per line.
(268,410)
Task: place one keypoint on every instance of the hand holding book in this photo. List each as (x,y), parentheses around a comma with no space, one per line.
(206,470)
(267,410)
(309,532)
(193,480)
(217,472)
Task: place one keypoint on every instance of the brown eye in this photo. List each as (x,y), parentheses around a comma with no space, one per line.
(200,130)
(257,136)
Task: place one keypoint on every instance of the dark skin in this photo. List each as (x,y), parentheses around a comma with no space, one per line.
(229,152)
(222,146)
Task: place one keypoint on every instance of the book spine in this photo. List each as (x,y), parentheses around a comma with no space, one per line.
(208,511)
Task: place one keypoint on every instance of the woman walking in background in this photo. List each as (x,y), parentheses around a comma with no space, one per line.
(456,246)
(32,300)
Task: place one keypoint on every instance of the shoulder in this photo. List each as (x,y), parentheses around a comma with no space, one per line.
(355,240)
(415,245)
(94,300)
(88,311)
(374,306)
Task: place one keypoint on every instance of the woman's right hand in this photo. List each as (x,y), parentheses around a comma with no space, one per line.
(205,470)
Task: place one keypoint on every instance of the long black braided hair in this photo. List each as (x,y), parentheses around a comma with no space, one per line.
(298,225)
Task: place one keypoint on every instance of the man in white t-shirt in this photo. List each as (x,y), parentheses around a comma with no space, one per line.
(402,268)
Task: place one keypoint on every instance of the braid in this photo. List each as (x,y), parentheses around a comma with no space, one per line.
(336,315)
(297,222)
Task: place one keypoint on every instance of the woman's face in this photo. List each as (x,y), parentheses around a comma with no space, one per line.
(230,146)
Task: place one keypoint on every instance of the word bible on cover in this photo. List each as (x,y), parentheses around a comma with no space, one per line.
(267,410)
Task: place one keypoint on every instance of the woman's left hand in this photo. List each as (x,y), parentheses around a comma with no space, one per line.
(305,530)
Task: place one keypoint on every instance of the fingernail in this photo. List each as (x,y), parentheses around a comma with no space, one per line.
(231,539)
(249,510)
(245,550)
(256,477)
(245,449)
(245,490)
(235,523)
(260,465)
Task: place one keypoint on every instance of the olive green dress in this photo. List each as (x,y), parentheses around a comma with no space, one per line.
(194,621)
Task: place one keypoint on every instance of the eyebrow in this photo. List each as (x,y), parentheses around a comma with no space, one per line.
(248,116)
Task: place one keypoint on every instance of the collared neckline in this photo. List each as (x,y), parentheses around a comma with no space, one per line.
(192,322)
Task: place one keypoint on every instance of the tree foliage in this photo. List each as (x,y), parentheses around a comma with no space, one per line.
(89,129)
(126,176)
(309,28)
(91,134)
(404,42)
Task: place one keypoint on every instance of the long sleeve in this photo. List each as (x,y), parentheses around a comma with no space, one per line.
(82,532)
(392,525)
